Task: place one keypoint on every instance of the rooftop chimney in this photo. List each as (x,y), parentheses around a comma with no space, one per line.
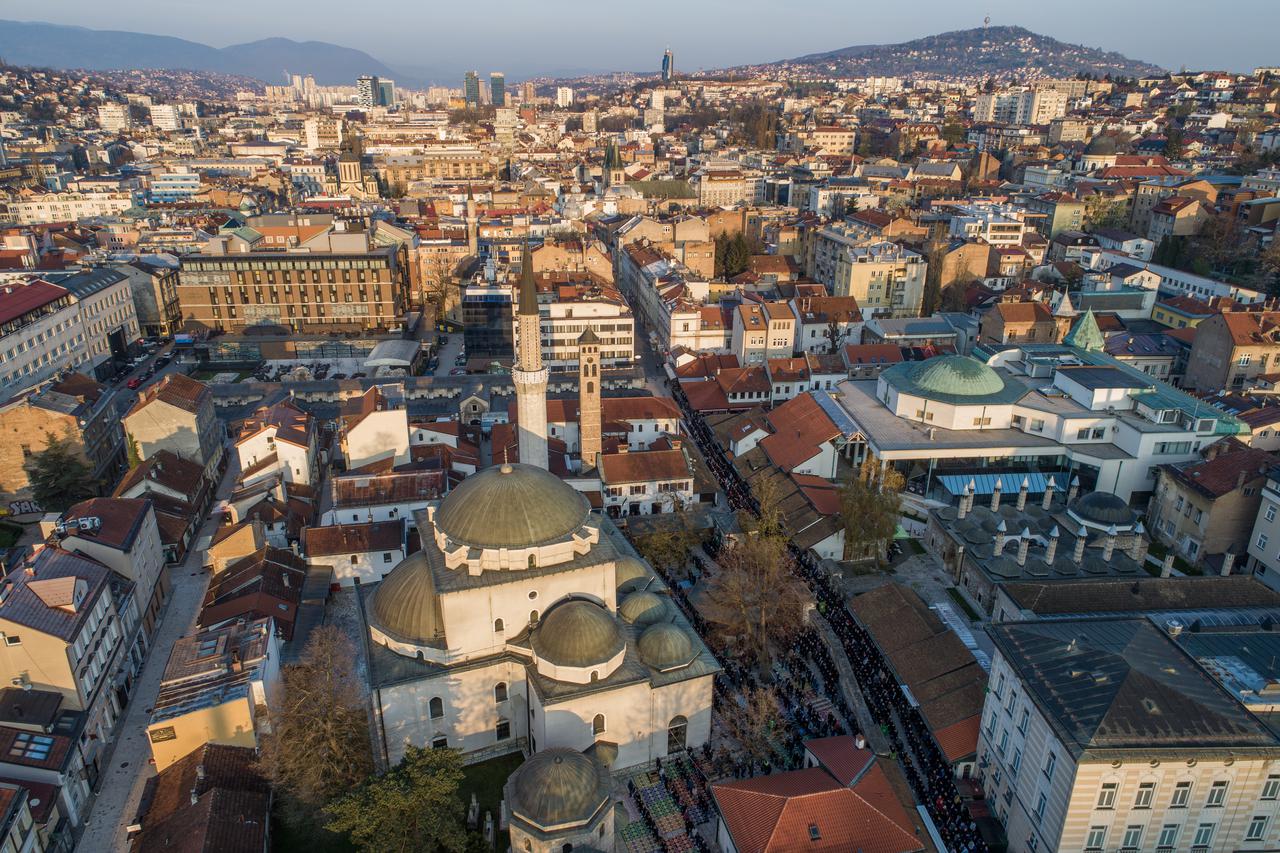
(1052,550)
(1048,495)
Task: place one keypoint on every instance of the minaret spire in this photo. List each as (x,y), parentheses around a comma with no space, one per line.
(528,374)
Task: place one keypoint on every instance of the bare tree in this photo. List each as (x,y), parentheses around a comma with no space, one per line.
(870,505)
(755,601)
(319,744)
(752,721)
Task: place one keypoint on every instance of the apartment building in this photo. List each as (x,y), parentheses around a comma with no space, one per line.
(720,187)
(1232,349)
(762,331)
(995,224)
(40,334)
(1105,734)
(568,308)
(108,320)
(76,409)
(304,276)
(435,163)
(885,278)
(1264,542)
(114,117)
(176,414)
(37,208)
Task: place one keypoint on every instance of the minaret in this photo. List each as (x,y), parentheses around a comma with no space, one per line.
(589,398)
(528,374)
(472,220)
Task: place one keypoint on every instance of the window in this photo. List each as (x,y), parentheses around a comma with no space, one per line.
(503,730)
(12,640)
(1049,764)
(441,742)
(436,707)
(1016,764)
(1204,835)
(533,617)
(35,747)
(1132,838)
(1262,541)
(1168,836)
(1096,838)
(597,724)
(386,556)
(1107,796)
(500,692)
(498,626)
(1244,360)
(982,421)
(1271,787)
(1004,741)
(1040,806)
(1217,795)
(677,733)
(1146,793)
(1257,828)
(1271,512)
(1026,718)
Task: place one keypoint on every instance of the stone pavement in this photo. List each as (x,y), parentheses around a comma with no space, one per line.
(126,769)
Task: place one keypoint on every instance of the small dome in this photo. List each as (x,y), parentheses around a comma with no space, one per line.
(511,506)
(643,608)
(665,645)
(578,633)
(627,568)
(558,786)
(1103,509)
(958,375)
(406,605)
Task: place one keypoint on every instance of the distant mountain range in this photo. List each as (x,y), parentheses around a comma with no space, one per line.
(56,46)
(996,51)
(984,51)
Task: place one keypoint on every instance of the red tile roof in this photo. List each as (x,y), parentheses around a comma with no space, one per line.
(18,298)
(800,426)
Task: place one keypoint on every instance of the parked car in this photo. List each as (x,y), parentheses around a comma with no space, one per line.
(134,383)
(458,371)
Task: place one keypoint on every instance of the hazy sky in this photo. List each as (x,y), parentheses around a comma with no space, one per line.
(523,37)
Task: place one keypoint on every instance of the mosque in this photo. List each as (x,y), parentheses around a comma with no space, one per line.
(527,622)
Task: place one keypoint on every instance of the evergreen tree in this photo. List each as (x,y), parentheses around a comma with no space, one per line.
(59,477)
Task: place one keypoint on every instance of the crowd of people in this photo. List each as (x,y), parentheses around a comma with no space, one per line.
(927,770)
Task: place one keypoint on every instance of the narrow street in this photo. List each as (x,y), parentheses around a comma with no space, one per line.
(126,769)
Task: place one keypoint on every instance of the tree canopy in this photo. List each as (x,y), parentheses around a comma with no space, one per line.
(59,477)
(413,807)
(870,504)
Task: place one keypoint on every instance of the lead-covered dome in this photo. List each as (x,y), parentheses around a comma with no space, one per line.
(578,633)
(558,786)
(627,568)
(405,605)
(511,506)
(1102,509)
(665,645)
(643,608)
(956,375)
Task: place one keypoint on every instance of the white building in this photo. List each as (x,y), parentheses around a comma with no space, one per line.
(40,334)
(43,208)
(997,224)
(357,553)
(166,117)
(533,628)
(564,97)
(278,438)
(1105,735)
(113,117)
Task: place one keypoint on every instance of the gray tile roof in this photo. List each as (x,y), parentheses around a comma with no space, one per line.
(21,605)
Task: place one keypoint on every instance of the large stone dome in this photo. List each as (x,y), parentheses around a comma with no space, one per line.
(578,633)
(665,645)
(405,605)
(1103,509)
(957,375)
(558,786)
(511,506)
(643,608)
(628,568)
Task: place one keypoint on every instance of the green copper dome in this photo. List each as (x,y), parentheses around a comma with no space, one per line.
(957,375)
(578,633)
(511,506)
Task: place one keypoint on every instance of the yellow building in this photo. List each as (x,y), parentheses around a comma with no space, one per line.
(215,689)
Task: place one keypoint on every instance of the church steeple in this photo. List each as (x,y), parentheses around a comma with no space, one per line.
(528,374)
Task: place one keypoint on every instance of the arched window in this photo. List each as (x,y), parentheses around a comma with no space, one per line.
(533,617)
(354,559)
(498,626)
(595,676)
(533,561)
(566,849)
(527,845)
(677,732)
(591,387)
(437,707)
(500,691)
(597,725)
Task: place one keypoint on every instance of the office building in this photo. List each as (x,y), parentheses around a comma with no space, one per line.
(113,117)
(166,117)
(668,65)
(498,89)
(386,93)
(471,89)
(564,97)
(367,91)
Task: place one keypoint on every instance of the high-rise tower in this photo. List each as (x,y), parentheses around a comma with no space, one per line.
(528,374)
(589,398)
(668,65)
